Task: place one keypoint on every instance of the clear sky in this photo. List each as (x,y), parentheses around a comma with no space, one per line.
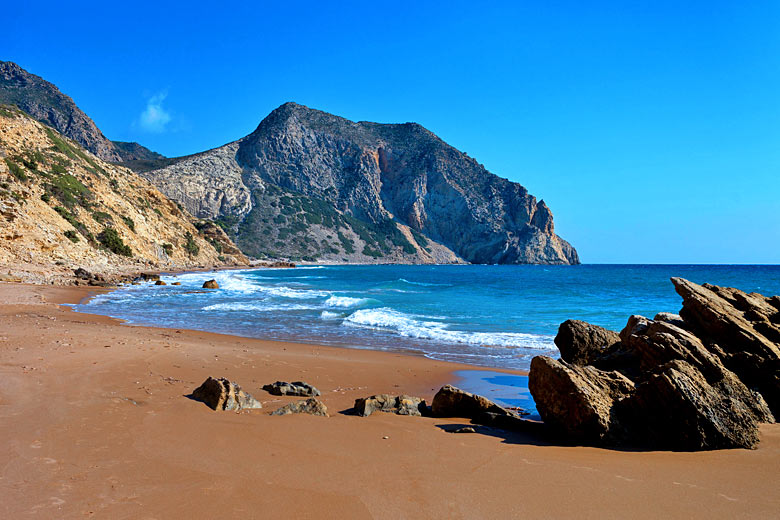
(651,129)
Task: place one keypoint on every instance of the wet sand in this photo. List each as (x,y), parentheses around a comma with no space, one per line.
(95,422)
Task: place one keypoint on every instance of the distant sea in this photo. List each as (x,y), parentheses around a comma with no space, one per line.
(491,316)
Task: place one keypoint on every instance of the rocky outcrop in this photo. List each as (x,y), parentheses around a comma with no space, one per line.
(451,401)
(221,394)
(210,284)
(62,208)
(702,380)
(309,406)
(45,103)
(361,192)
(397,404)
(297,388)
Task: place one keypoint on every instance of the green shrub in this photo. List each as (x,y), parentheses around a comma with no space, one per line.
(110,239)
(347,244)
(70,191)
(168,248)
(102,217)
(129,223)
(16,170)
(190,245)
(72,235)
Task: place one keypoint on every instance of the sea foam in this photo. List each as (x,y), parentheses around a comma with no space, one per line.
(418,327)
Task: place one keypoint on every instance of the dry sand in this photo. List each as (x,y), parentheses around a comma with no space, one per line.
(94,422)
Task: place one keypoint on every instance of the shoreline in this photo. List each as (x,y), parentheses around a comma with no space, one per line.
(96,422)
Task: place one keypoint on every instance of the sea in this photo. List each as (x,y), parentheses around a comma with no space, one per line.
(493,316)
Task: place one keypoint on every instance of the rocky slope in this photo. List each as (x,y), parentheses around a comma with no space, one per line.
(311,185)
(62,208)
(44,102)
(703,379)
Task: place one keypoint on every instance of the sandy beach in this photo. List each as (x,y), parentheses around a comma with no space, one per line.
(96,423)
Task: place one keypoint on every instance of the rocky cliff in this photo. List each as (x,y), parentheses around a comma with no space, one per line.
(63,208)
(312,185)
(44,102)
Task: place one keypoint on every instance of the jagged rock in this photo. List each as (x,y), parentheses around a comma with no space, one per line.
(451,401)
(210,284)
(160,282)
(297,388)
(310,406)
(580,342)
(221,394)
(745,328)
(702,380)
(400,405)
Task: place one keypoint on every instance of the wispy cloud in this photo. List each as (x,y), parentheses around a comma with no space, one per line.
(155,118)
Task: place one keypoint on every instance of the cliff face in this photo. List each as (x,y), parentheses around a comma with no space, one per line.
(62,208)
(45,103)
(396,192)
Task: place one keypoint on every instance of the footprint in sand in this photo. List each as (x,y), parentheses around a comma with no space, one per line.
(36,445)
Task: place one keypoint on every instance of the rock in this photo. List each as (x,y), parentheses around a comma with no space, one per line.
(745,328)
(668,317)
(175,283)
(149,277)
(580,342)
(400,405)
(576,400)
(82,274)
(702,380)
(465,429)
(210,284)
(450,401)
(221,394)
(678,409)
(310,406)
(297,388)
(160,282)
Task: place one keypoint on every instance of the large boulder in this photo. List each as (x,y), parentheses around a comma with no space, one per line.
(580,342)
(310,406)
(221,394)
(450,401)
(397,404)
(576,400)
(296,388)
(210,284)
(679,409)
(703,379)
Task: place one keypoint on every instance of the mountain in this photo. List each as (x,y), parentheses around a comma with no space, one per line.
(63,208)
(307,184)
(44,102)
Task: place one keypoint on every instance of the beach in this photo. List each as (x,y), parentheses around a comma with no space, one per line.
(96,422)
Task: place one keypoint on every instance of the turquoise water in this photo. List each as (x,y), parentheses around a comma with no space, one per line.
(492,316)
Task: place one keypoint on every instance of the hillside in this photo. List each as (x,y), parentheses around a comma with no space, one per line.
(62,208)
(310,185)
(44,102)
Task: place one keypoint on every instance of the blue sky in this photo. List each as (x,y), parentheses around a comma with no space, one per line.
(652,129)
